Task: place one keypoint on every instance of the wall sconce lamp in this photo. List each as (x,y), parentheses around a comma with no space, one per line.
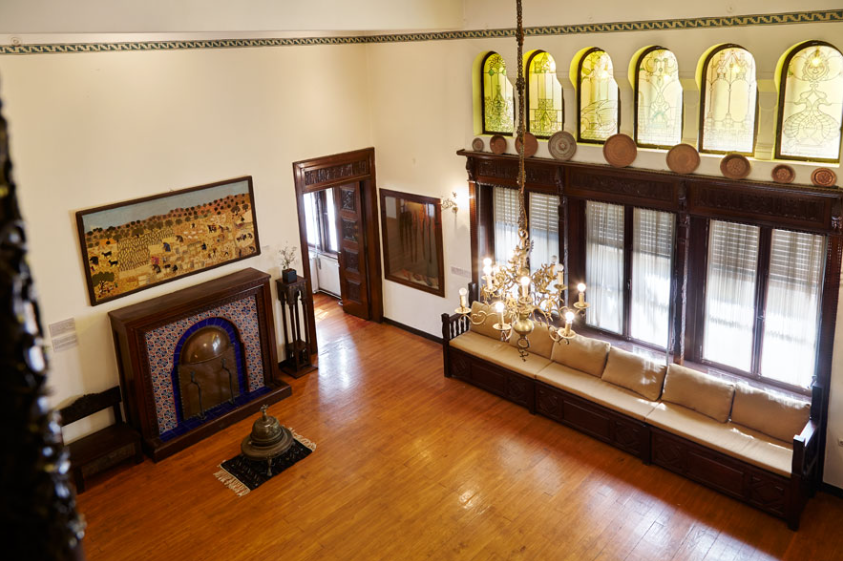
(450,202)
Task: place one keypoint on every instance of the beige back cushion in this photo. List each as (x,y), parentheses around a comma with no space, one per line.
(583,354)
(485,328)
(703,393)
(636,373)
(774,414)
(540,341)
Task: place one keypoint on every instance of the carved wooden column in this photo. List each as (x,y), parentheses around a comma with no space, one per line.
(828,325)
(679,284)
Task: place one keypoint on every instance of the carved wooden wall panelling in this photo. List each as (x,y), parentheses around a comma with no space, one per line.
(334,173)
(799,207)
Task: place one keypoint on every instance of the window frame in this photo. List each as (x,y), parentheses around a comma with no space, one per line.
(780,106)
(635,91)
(580,62)
(322,221)
(486,212)
(701,121)
(626,305)
(700,232)
(527,92)
(483,98)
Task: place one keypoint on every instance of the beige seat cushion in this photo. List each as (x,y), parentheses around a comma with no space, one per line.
(734,440)
(484,328)
(698,391)
(596,390)
(540,341)
(774,414)
(634,372)
(582,353)
(498,352)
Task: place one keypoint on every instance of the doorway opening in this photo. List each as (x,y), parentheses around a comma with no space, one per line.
(323,241)
(338,208)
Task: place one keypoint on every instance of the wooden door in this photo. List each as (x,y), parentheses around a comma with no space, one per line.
(351,230)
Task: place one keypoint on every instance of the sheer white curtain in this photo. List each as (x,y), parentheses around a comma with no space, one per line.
(505,203)
(652,251)
(544,229)
(793,291)
(332,221)
(604,265)
(730,293)
(310,214)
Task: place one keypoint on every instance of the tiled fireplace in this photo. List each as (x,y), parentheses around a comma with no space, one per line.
(197,360)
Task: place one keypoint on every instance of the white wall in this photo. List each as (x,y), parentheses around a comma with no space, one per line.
(131,16)
(93,129)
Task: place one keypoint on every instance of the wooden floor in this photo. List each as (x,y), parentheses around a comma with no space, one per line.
(411,465)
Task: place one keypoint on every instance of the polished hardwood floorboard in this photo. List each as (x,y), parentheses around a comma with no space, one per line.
(411,465)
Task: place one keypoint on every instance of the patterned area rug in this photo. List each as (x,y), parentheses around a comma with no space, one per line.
(242,475)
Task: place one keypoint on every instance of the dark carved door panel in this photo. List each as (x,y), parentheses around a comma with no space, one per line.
(352,230)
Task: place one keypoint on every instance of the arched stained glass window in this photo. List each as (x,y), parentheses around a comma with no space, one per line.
(658,106)
(811,103)
(544,96)
(498,106)
(729,103)
(597,94)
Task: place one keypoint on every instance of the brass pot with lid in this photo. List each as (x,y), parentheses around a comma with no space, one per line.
(268,440)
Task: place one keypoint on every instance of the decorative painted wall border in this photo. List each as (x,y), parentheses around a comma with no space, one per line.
(649,25)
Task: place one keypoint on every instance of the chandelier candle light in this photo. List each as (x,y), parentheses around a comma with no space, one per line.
(511,291)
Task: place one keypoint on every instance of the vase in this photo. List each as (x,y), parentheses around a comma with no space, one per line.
(289,276)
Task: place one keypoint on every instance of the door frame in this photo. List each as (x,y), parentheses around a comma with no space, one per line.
(316,174)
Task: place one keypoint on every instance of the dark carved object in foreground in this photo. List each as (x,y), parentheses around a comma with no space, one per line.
(37,506)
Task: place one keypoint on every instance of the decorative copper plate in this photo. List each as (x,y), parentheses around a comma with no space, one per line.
(562,145)
(620,150)
(735,166)
(683,158)
(783,173)
(477,144)
(823,177)
(498,144)
(531,145)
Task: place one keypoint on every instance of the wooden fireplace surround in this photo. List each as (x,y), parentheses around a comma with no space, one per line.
(130,324)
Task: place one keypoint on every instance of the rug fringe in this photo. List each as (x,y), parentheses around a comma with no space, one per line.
(231,482)
(306,442)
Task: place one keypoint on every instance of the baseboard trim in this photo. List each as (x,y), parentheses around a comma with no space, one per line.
(413,330)
(832,490)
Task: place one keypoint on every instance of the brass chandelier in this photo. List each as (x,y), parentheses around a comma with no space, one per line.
(517,298)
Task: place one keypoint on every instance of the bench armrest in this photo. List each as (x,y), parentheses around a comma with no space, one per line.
(805,449)
(452,326)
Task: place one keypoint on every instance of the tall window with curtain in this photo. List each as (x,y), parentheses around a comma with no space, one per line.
(544,96)
(604,265)
(652,255)
(597,95)
(543,215)
(811,103)
(658,99)
(505,203)
(497,97)
(729,101)
(730,294)
(792,312)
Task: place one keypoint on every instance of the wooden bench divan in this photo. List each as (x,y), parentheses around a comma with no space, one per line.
(758,447)
(105,448)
